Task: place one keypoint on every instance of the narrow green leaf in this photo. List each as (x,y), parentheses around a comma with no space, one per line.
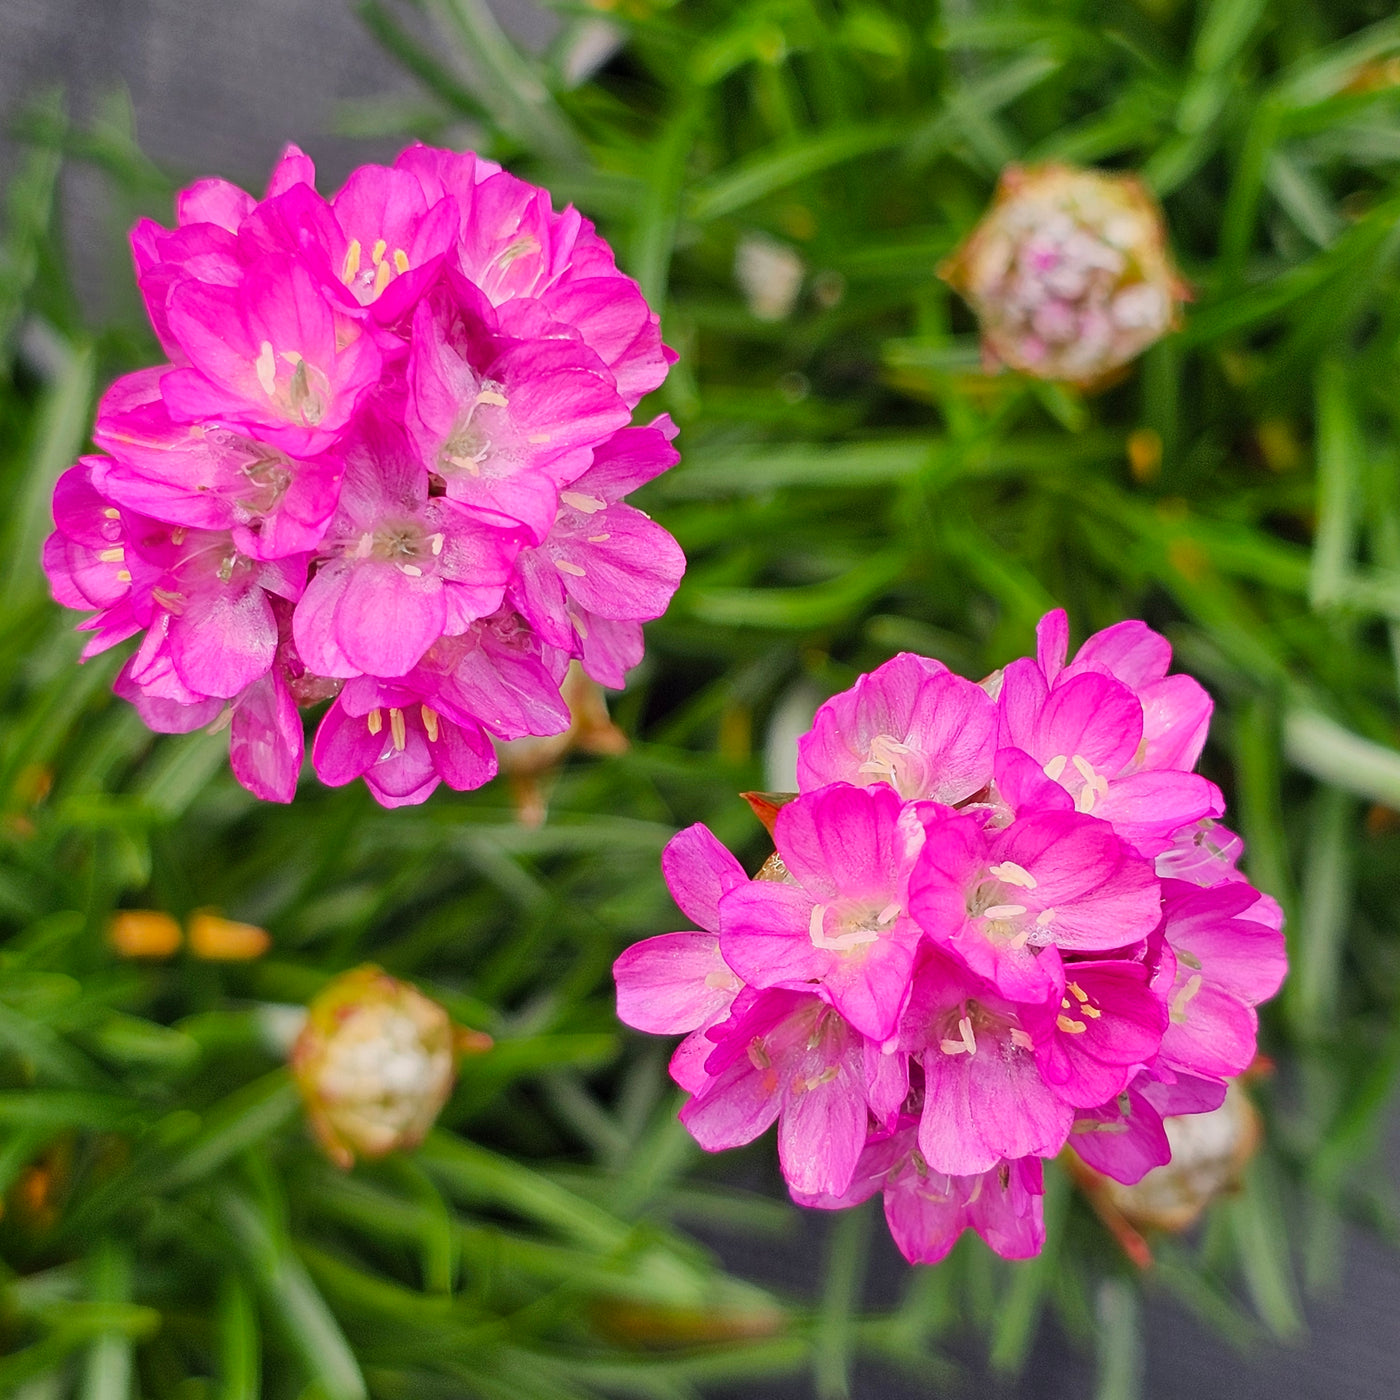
(769,171)
(813,605)
(240,1342)
(107,1372)
(841,1296)
(1119,1342)
(1257,1218)
(506,83)
(1324,912)
(293,1299)
(61,431)
(240,1122)
(1334,754)
(1340,464)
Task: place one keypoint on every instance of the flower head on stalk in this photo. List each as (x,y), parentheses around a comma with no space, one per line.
(999,919)
(384,466)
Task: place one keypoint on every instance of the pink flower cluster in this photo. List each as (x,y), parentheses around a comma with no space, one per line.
(384,467)
(1000,919)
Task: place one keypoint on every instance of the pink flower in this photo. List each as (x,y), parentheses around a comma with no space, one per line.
(384,467)
(985,1097)
(603,562)
(786,1056)
(401,567)
(271,353)
(1086,730)
(842,926)
(505,422)
(1010,903)
(677,983)
(928,1210)
(911,724)
(208,475)
(998,919)
(1226,961)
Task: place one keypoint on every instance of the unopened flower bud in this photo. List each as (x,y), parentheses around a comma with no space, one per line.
(218,939)
(1069,273)
(143,933)
(375,1063)
(1209,1153)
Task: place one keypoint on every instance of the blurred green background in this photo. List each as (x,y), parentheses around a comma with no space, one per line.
(851,485)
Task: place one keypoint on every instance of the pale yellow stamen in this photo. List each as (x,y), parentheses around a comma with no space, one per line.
(398,729)
(412,570)
(380,248)
(1021,1039)
(430,723)
(888,914)
(1043,919)
(435,542)
(565,567)
(1055,767)
(375,721)
(400,260)
(265,367)
(1069,1026)
(352,262)
(112,513)
(492,397)
(1005,911)
(1009,873)
(123,576)
(112,556)
(383,274)
(589,505)
(1184,997)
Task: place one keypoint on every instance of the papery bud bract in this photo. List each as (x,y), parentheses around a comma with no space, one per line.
(375,1062)
(1069,273)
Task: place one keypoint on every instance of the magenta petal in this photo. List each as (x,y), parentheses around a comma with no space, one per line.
(463,755)
(1129,651)
(224,640)
(982,1107)
(734,1107)
(821,1130)
(344,747)
(764,934)
(1008,1212)
(1125,1145)
(386,619)
(266,741)
(673,983)
(698,870)
(848,841)
(1052,643)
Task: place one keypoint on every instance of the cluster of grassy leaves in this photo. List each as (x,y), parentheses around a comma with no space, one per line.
(852,485)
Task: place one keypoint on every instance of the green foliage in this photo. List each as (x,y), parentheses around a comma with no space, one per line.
(852,485)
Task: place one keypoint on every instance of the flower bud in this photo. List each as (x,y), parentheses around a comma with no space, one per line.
(1209,1154)
(1069,273)
(375,1063)
(143,933)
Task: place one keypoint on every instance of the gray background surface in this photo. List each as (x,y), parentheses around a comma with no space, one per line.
(218,86)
